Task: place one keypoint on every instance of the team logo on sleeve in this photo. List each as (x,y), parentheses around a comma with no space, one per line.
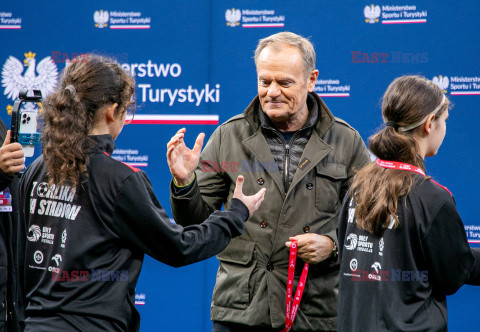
(351,242)
(35,233)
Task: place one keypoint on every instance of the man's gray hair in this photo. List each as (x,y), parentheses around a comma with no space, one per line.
(289,38)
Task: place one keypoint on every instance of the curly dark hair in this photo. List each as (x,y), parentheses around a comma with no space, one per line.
(86,86)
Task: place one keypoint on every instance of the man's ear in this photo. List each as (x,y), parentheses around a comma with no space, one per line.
(110,112)
(428,125)
(312,79)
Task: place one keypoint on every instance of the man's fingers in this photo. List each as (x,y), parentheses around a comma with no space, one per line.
(260,194)
(259,197)
(169,151)
(16,152)
(12,151)
(172,141)
(197,148)
(239,186)
(7,138)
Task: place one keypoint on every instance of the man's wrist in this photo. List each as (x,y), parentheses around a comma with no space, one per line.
(334,247)
(185,182)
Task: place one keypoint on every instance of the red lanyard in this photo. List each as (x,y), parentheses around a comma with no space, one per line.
(406,167)
(400,166)
(292,308)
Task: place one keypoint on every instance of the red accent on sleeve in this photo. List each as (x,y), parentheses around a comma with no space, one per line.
(131,167)
(438,184)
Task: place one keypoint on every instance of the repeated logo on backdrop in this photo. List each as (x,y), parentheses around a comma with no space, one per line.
(130,157)
(121,19)
(254,18)
(473,233)
(10,21)
(458,85)
(331,88)
(394,14)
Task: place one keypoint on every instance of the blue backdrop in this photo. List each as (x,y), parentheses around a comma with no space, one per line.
(193,66)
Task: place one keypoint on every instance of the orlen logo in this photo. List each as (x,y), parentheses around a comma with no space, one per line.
(233,16)
(442,82)
(371,13)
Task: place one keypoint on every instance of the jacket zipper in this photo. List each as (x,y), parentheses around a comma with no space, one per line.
(287,157)
(285,166)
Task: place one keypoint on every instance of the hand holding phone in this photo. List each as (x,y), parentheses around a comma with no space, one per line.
(24,127)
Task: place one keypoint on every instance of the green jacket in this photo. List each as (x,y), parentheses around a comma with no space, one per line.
(251,280)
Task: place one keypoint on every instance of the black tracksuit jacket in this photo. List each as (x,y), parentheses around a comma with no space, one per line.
(11,308)
(399,281)
(84,248)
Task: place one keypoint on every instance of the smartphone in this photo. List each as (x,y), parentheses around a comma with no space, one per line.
(24,126)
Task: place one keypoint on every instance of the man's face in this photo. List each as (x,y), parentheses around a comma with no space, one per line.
(282,83)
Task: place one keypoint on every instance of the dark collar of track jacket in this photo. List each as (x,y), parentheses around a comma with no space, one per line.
(251,281)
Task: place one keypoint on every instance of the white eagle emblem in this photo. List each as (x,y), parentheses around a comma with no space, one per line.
(372,13)
(13,81)
(442,82)
(233,17)
(100,18)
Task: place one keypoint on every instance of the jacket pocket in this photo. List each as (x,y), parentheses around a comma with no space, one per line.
(328,182)
(233,276)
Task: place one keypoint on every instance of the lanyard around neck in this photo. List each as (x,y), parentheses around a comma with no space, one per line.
(399,166)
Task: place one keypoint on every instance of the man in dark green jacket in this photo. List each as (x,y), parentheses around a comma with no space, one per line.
(288,142)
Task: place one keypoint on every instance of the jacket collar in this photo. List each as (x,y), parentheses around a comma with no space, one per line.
(102,144)
(319,115)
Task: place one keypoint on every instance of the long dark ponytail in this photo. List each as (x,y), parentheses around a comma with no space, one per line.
(376,190)
(85,86)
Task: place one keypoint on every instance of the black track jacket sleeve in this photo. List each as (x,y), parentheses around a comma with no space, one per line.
(450,265)
(474,277)
(140,218)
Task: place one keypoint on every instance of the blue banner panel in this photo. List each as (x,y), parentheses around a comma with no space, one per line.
(193,65)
